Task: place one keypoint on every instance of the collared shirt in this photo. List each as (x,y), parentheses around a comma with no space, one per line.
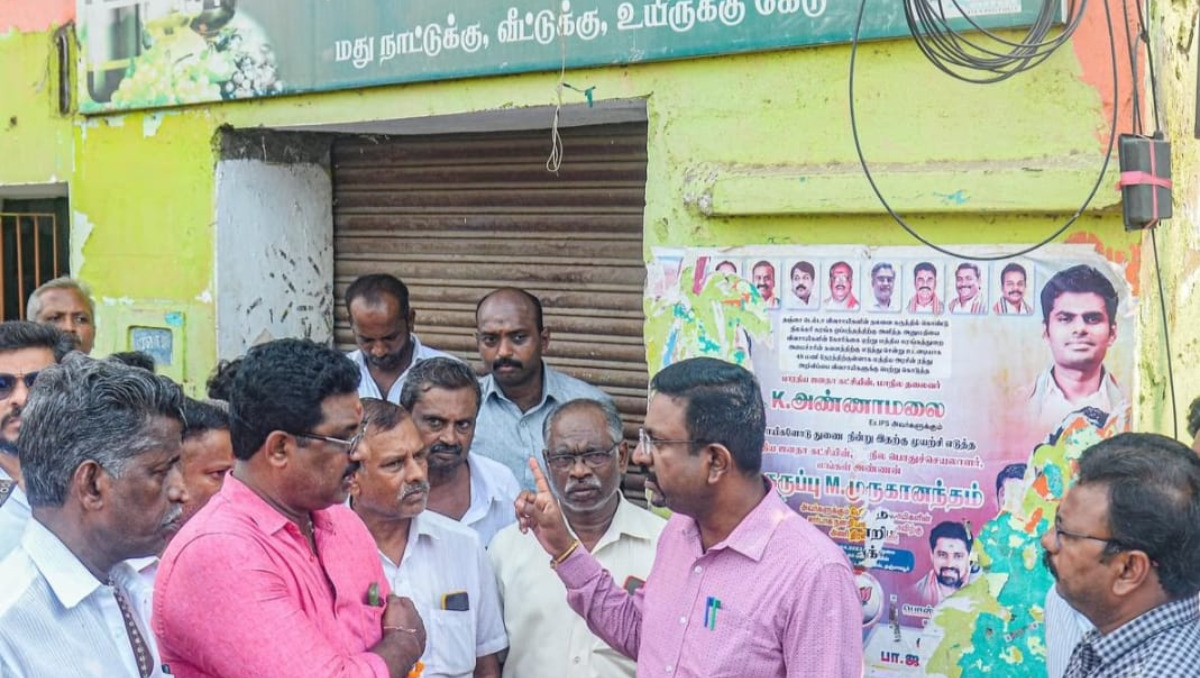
(493,493)
(239,569)
(796,302)
(973,306)
(933,307)
(14,514)
(1065,627)
(775,598)
(57,619)
(443,557)
(1003,307)
(1048,405)
(890,307)
(504,433)
(367,388)
(1162,642)
(850,303)
(546,637)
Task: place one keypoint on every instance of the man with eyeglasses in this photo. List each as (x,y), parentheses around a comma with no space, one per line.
(586,455)
(741,584)
(26,349)
(436,561)
(443,396)
(275,576)
(1123,551)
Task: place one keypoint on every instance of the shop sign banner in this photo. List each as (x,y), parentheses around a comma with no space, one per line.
(153,53)
(925,411)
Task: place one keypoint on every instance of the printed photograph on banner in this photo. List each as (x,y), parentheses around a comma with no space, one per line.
(843,293)
(763,273)
(925,289)
(1012,293)
(931,445)
(803,292)
(885,276)
(970,288)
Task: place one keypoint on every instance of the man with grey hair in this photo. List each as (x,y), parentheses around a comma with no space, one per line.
(586,456)
(443,396)
(25,350)
(67,304)
(100,447)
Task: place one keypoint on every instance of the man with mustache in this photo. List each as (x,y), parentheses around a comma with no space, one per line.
(925,297)
(585,456)
(1123,551)
(1012,291)
(443,396)
(742,585)
(1079,324)
(25,350)
(520,389)
(841,288)
(803,277)
(275,551)
(763,277)
(950,556)
(65,303)
(436,561)
(883,284)
(100,447)
(382,322)
(966,282)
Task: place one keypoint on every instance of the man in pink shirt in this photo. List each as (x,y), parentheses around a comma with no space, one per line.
(741,584)
(274,577)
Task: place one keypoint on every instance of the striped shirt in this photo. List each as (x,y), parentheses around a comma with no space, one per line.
(14,513)
(57,619)
(1162,642)
(774,599)
(1065,627)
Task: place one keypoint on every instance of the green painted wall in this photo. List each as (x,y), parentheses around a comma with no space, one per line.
(729,138)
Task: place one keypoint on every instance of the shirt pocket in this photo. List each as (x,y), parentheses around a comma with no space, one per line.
(733,643)
(451,641)
(369,622)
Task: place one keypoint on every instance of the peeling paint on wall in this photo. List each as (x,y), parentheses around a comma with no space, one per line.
(81,230)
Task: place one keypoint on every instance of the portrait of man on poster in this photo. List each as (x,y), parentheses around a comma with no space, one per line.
(925,297)
(1013,281)
(804,276)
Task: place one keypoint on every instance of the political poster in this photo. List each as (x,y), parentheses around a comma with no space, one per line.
(925,411)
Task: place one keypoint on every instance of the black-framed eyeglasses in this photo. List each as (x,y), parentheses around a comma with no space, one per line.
(648,444)
(1059,533)
(592,458)
(8,382)
(351,444)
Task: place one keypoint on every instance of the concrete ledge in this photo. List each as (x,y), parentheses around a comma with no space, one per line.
(933,188)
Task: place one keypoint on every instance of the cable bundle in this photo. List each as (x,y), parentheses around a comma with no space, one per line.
(986,57)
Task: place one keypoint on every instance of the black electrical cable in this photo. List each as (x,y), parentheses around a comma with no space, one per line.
(1112,136)
(1133,71)
(1145,37)
(1162,303)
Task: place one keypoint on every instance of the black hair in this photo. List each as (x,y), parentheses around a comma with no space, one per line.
(805,267)
(373,287)
(724,405)
(924,266)
(533,301)
(1193,418)
(1010,472)
(139,359)
(1081,279)
(1153,485)
(1013,267)
(280,386)
(16,335)
(949,529)
(382,415)
(200,417)
(444,373)
(974,268)
(220,383)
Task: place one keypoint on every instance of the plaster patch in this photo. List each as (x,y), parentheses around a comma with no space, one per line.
(115,121)
(85,124)
(117,301)
(151,123)
(81,230)
(206,296)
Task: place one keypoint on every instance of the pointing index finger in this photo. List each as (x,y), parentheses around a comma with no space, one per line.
(538,478)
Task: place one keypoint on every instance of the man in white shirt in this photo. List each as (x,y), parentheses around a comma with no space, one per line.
(586,456)
(382,322)
(925,294)
(804,277)
(883,285)
(26,349)
(970,300)
(1079,307)
(1012,291)
(100,450)
(443,396)
(437,562)
(521,389)
(841,288)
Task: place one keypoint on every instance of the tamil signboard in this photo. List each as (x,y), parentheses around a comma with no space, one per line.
(172,52)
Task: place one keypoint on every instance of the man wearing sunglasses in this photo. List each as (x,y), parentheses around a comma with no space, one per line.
(25,350)
(274,576)
(586,455)
(1123,550)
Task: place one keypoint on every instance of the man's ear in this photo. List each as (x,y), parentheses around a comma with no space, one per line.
(279,448)
(720,461)
(1134,570)
(622,457)
(91,484)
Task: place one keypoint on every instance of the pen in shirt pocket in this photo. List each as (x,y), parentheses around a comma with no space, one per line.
(373,595)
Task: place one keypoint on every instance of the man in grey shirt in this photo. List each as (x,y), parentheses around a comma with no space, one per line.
(520,389)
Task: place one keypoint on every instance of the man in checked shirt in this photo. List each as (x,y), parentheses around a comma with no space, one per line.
(1124,549)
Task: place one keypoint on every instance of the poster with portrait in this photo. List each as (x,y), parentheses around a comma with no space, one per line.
(914,404)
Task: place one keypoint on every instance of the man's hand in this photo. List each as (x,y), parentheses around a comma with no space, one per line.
(402,614)
(539,512)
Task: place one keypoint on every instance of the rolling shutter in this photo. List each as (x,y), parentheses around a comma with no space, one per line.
(456,216)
